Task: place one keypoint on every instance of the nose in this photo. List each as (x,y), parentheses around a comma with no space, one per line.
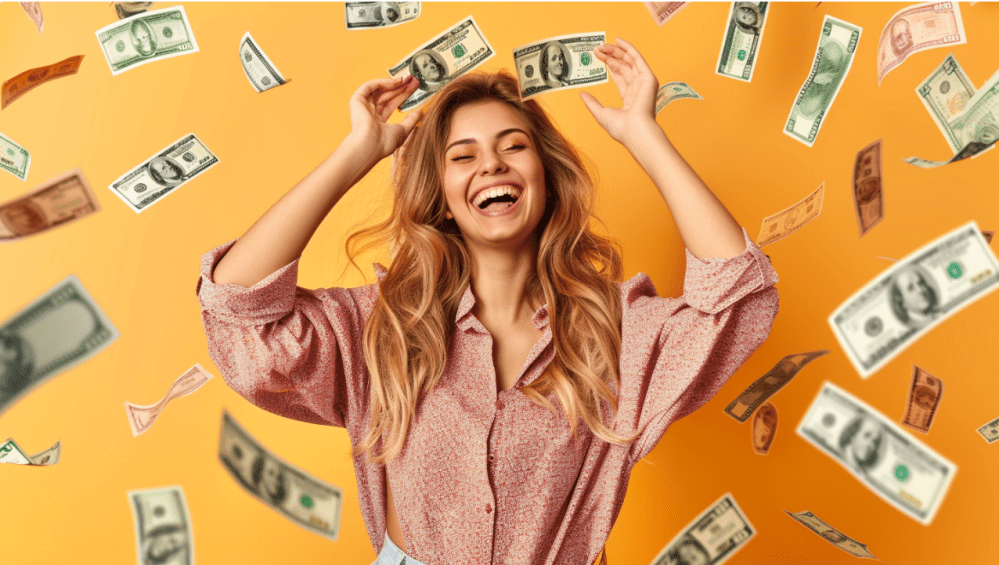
(491,164)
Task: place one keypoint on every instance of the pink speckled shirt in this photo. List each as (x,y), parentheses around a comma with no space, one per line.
(487,477)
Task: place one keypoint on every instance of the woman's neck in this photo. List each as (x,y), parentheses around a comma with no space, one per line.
(499,282)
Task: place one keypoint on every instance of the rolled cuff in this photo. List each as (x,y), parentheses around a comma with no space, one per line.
(713,284)
(270,299)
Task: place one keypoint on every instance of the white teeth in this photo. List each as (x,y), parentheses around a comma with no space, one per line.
(494,192)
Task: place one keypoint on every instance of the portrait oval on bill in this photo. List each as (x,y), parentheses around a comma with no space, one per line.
(142,37)
(901,37)
(23,218)
(165,171)
(387,12)
(914,296)
(747,17)
(429,67)
(863,442)
(830,71)
(555,65)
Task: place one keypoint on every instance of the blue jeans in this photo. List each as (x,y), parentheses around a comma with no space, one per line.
(392,555)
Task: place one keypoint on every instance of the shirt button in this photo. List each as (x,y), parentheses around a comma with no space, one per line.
(491,457)
(489,509)
(499,405)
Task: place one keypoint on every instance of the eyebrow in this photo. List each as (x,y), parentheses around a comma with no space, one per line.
(505,132)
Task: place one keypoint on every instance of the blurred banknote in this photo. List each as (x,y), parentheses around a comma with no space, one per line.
(557,63)
(946,93)
(663,12)
(169,169)
(741,44)
(832,535)
(14,159)
(891,463)
(364,15)
(34,12)
(443,59)
(914,295)
(60,329)
(764,428)
(129,9)
(673,91)
(924,397)
(832,61)
(146,37)
(12,453)
(162,526)
(917,28)
(789,220)
(988,235)
(259,70)
(56,202)
(713,537)
(300,497)
(141,417)
(868,188)
(14,88)
(766,386)
(990,431)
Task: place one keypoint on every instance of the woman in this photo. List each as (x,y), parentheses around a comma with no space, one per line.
(489,316)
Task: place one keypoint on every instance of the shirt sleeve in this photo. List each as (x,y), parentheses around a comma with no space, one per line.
(289,350)
(678,352)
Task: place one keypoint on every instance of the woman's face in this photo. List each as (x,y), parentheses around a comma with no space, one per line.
(490,147)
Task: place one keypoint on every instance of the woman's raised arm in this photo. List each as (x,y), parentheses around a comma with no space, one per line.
(281,234)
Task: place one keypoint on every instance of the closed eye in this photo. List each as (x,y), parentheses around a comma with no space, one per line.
(516,147)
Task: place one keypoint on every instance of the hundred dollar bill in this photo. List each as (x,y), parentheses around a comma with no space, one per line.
(990,431)
(924,397)
(146,37)
(14,159)
(444,58)
(15,87)
(766,386)
(713,537)
(259,70)
(911,297)
(164,172)
(663,12)
(868,188)
(832,62)
(558,63)
(365,15)
(129,9)
(789,220)
(764,428)
(674,91)
(891,463)
(57,202)
(60,329)
(300,497)
(741,43)
(917,28)
(12,453)
(34,11)
(946,93)
(163,533)
(832,535)
(140,418)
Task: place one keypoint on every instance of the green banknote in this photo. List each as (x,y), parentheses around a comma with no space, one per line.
(743,34)
(14,159)
(146,37)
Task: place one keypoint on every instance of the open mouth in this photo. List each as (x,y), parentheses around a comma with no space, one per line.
(497,198)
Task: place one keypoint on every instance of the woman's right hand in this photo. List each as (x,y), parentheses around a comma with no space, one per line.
(370,108)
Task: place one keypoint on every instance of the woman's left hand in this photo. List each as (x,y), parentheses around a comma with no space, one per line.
(638,87)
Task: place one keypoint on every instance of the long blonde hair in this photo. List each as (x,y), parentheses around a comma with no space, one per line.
(410,330)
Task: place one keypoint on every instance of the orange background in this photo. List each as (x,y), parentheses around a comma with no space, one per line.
(141,269)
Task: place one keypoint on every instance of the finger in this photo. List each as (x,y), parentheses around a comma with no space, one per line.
(367,89)
(594,106)
(410,121)
(620,68)
(635,55)
(384,96)
(400,96)
(619,53)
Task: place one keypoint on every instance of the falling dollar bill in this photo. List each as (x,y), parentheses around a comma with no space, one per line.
(766,386)
(714,536)
(946,93)
(366,15)
(832,62)
(34,11)
(60,329)
(146,37)
(300,497)
(891,463)
(741,43)
(764,428)
(673,91)
(789,220)
(924,397)
(259,70)
(832,535)
(558,63)
(140,418)
(917,28)
(444,58)
(988,235)
(15,87)
(56,202)
(163,533)
(663,12)
(12,453)
(164,172)
(129,9)
(14,159)
(990,431)
(914,295)
(868,188)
